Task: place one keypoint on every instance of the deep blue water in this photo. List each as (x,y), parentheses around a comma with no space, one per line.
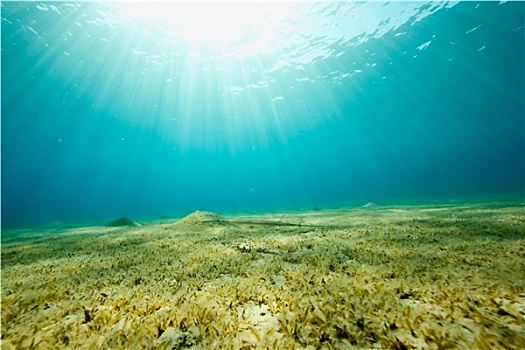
(110,110)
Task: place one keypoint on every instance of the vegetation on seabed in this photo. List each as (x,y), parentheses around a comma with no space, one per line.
(431,277)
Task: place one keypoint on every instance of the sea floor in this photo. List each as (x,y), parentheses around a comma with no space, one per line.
(423,277)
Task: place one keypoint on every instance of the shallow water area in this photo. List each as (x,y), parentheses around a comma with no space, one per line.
(424,277)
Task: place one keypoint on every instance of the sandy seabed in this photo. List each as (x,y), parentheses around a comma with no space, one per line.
(423,277)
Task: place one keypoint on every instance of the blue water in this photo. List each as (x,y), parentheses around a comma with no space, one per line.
(112,110)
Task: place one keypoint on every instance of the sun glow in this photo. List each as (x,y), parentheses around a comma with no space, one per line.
(230,23)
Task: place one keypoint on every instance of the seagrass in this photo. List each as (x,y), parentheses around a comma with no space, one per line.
(424,277)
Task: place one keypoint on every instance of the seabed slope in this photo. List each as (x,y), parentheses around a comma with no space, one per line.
(427,277)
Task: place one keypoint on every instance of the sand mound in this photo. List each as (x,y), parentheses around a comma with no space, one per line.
(370,205)
(123,221)
(202,218)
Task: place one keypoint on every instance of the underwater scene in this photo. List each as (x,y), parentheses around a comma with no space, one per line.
(263,175)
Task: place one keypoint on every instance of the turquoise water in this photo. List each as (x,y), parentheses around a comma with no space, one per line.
(144,110)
